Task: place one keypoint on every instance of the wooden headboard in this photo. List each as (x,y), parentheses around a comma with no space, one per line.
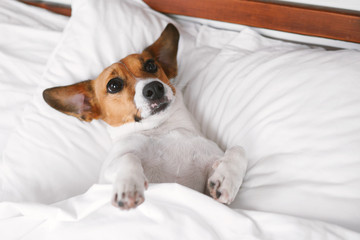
(301,19)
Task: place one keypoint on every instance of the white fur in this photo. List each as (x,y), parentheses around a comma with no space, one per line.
(168,147)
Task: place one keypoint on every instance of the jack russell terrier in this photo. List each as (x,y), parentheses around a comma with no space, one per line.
(155,137)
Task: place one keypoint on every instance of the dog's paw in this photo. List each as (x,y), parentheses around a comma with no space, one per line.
(228,175)
(129,192)
(222,185)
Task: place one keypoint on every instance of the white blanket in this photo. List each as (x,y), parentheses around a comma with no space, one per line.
(171,211)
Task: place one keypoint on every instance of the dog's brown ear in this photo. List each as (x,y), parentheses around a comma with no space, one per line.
(164,50)
(77,100)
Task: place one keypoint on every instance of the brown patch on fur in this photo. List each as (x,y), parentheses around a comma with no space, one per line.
(118,108)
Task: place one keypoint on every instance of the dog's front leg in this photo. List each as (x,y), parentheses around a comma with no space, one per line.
(228,174)
(129,182)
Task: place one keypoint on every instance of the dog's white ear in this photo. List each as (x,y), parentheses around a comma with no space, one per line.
(77,100)
(164,50)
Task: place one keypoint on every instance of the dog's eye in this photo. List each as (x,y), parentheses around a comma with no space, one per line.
(115,85)
(150,66)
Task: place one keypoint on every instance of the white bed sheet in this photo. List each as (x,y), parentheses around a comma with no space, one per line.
(170,211)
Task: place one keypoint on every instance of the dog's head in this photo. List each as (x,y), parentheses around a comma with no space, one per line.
(132,89)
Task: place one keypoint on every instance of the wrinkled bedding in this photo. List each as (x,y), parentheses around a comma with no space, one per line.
(28,36)
(171,211)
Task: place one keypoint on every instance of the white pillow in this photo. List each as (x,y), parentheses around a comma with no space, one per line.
(296,111)
(53,156)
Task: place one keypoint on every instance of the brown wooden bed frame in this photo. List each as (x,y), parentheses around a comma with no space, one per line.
(301,19)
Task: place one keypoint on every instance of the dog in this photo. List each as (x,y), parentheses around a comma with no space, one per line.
(155,138)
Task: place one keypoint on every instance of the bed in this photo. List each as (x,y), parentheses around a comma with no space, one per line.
(290,97)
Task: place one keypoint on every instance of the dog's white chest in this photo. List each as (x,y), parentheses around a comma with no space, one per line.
(179,157)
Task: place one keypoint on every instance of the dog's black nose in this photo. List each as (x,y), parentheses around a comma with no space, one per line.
(154,90)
